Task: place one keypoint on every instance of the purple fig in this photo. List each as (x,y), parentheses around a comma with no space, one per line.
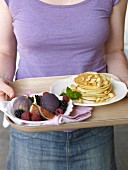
(22,102)
(50,102)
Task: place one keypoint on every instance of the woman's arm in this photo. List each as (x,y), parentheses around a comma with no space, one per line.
(117,63)
(7,51)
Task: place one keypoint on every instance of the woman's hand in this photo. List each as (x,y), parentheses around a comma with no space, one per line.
(125,80)
(5,90)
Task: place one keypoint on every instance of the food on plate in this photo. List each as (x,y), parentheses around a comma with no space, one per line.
(34,109)
(59,111)
(26,115)
(39,107)
(93,86)
(63,105)
(66,98)
(50,102)
(22,102)
(46,114)
(18,113)
(71,94)
(36,117)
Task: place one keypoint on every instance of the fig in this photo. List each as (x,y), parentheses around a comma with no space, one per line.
(37,98)
(34,109)
(22,102)
(50,102)
(45,113)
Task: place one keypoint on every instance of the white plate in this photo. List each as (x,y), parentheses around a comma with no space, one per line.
(119,88)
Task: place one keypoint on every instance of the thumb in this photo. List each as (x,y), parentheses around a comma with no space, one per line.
(126,82)
(8,90)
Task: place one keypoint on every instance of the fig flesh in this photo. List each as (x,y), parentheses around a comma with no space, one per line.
(45,113)
(34,109)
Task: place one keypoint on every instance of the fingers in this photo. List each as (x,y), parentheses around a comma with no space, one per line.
(6,90)
(126,82)
(3,96)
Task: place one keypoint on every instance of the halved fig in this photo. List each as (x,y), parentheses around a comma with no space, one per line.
(50,102)
(34,109)
(45,113)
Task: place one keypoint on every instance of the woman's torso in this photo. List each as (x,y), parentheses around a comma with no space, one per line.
(60,39)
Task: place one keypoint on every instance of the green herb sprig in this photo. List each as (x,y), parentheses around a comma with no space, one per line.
(73,95)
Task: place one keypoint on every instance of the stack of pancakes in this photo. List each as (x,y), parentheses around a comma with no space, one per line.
(93,86)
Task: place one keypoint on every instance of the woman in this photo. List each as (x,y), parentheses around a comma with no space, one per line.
(61,38)
(126,34)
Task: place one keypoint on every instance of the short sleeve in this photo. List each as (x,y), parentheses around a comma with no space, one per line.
(115,2)
(7,2)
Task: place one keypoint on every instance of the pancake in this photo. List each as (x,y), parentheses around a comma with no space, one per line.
(93,86)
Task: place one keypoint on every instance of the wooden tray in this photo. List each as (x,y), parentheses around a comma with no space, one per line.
(112,114)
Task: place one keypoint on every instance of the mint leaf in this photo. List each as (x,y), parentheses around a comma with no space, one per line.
(68,91)
(73,95)
(76,95)
(63,94)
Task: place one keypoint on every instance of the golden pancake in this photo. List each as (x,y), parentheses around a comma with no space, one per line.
(93,86)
